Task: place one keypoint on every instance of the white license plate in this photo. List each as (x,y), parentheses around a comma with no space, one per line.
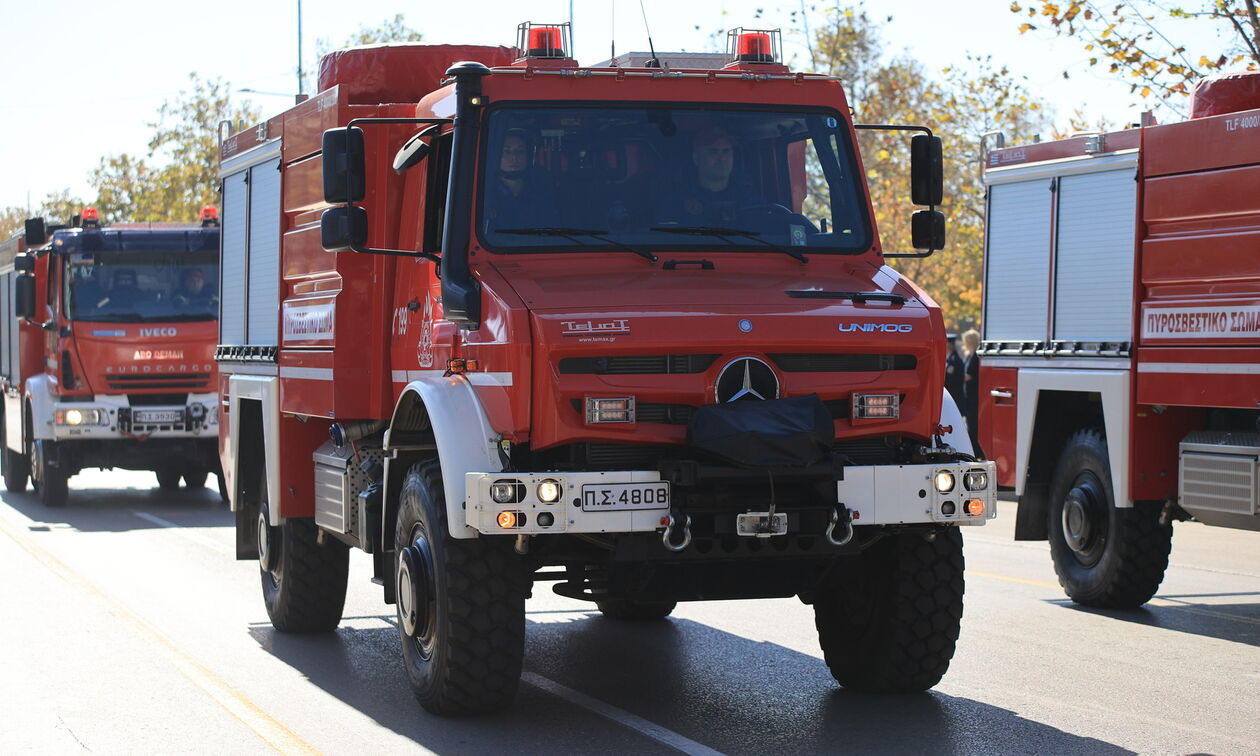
(599,497)
(159,416)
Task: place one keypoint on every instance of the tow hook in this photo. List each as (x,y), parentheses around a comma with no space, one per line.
(667,537)
(839,516)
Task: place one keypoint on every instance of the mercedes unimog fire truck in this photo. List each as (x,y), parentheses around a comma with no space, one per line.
(107,338)
(497,319)
(1120,376)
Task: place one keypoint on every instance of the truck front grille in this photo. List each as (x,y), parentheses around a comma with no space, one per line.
(176,381)
(843,363)
(637,364)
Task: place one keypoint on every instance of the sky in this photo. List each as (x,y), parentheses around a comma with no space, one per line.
(82,80)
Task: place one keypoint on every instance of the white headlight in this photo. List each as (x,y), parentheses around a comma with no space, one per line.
(977,480)
(944,481)
(506,491)
(549,491)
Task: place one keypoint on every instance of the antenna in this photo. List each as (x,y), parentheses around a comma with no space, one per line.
(301,89)
(654,62)
(612,33)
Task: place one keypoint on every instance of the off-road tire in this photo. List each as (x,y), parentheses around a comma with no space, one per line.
(1132,549)
(196,480)
(167,479)
(305,592)
(890,623)
(468,659)
(49,481)
(635,611)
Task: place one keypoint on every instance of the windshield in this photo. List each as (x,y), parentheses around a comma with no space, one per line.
(670,177)
(142,286)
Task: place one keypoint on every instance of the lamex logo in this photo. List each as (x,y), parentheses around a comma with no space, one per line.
(875,328)
(147,332)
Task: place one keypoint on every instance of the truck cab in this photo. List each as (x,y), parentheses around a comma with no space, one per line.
(123,320)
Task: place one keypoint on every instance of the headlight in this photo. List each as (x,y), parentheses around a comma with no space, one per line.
(507,491)
(976,480)
(549,491)
(944,481)
(78,417)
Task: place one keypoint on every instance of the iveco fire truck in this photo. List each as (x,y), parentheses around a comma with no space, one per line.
(107,351)
(1120,376)
(498,319)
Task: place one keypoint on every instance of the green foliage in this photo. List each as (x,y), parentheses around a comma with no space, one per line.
(180,173)
(1135,38)
(57,207)
(961,105)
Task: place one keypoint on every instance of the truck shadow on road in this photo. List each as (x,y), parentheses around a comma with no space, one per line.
(1185,613)
(722,690)
(124,509)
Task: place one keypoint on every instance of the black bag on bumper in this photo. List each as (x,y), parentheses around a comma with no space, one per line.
(796,432)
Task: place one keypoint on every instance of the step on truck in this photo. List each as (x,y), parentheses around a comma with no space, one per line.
(107,336)
(501,320)
(1120,369)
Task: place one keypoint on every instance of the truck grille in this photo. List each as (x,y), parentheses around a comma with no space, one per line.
(842,363)
(184,381)
(637,364)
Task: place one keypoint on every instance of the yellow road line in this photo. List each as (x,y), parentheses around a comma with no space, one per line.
(266,727)
(1044,584)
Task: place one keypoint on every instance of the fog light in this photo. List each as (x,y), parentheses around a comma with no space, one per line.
(78,417)
(976,480)
(507,491)
(620,410)
(549,491)
(975,507)
(948,508)
(944,481)
(546,519)
(511,519)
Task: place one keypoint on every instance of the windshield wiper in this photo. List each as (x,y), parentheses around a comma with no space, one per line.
(724,234)
(570,233)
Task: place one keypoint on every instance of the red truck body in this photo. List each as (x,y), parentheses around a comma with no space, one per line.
(542,392)
(1122,300)
(102,373)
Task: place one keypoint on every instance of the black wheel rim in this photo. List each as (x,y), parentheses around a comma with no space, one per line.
(416,601)
(1085,519)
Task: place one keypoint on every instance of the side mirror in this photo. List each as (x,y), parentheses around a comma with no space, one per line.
(24,297)
(36,232)
(927,230)
(415,150)
(927,170)
(343,165)
(343,228)
(24,263)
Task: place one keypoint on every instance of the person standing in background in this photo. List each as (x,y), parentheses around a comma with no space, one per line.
(971,388)
(954,370)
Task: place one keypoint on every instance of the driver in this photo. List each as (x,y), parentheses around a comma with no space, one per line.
(516,197)
(714,196)
(193,293)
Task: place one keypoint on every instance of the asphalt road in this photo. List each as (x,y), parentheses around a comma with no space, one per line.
(128,627)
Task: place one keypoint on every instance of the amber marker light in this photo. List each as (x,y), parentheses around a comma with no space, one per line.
(975,507)
(508,520)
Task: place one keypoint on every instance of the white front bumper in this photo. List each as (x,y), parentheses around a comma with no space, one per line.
(883,495)
(159,421)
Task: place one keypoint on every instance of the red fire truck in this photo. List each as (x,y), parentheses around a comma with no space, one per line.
(107,351)
(497,319)
(1121,349)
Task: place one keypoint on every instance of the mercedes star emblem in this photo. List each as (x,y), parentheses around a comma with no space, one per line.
(746,379)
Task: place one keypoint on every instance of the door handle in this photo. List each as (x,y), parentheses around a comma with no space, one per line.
(1001,394)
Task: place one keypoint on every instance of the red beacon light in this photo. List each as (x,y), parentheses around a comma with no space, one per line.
(753,45)
(89,217)
(209,215)
(543,41)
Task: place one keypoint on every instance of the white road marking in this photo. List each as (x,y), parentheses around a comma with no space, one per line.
(652,730)
(184,531)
